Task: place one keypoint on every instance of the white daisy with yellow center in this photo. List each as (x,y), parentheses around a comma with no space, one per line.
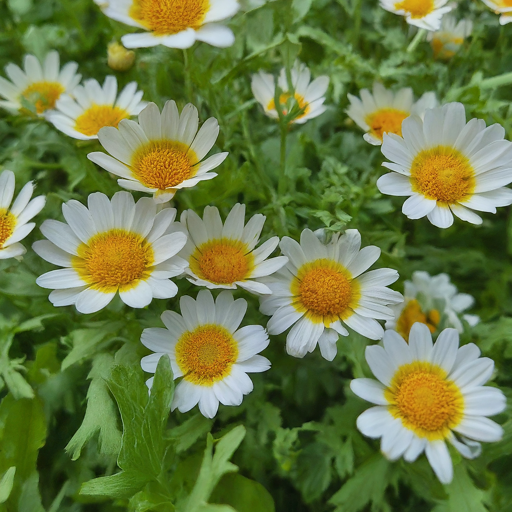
(447,41)
(109,247)
(424,14)
(383,111)
(14,219)
(224,255)
(208,351)
(323,287)
(428,395)
(39,84)
(174,23)
(448,166)
(95,107)
(306,96)
(503,7)
(162,153)
(433,301)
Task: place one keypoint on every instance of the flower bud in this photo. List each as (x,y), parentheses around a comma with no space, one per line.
(119,58)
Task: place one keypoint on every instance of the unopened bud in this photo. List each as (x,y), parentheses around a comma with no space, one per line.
(119,58)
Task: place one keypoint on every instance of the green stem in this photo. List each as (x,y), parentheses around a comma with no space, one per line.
(357,23)
(188,80)
(417,40)
(283,179)
(496,81)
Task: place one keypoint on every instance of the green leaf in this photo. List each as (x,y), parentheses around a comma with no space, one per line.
(300,8)
(120,485)
(6,484)
(314,466)
(186,434)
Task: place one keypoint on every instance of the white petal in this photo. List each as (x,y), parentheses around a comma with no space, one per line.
(369,390)
(380,363)
(440,460)
(445,349)
(91,301)
(441,217)
(375,421)
(137,297)
(480,429)
(484,401)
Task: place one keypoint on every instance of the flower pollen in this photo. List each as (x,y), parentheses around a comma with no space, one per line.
(442,173)
(416,8)
(97,117)
(386,120)
(7,225)
(413,313)
(425,401)
(43,95)
(206,354)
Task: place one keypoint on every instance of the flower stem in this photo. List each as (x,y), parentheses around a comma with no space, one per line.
(357,23)
(417,40)
(188,80)
(283,179)
(496,81)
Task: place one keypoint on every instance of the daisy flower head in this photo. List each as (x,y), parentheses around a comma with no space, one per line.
(448,166)
(225,255)
(14,219)
(95,107)
(447,41)
(108,247)
(324,288)
(162,153)
(433,301)
(424,14)
(383,111)
(208,351)
(174,23)
(429,394)
(38,85)
(503,7)
(308,97)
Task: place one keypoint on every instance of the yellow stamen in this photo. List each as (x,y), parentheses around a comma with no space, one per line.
(115,259)
(98,116)
(43,95)
(325,291)
(386,120)
(413,313)
(283,103)
(416,8)
(442,173)
(222,261)
(426,402)
(165,17)
(7,225)
(163,164)
(206,354)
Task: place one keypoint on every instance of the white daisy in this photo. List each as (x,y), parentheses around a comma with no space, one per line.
(108,247)
(424,14)
(95,107)
(383,111)
(309,97)
(208,350)
(323,286)
(14,220)
(503,7)
(448,166)
(162,152)
(427,395)
(224,256)
(433,301)
(449,38)
(40,84)
(174,23)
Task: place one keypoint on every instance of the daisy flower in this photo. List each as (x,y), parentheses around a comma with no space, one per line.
(309,97)
(503,7)
(383,111)
(162,152)
(424,14)
(39,83)
(428,395)
(174,23)
(109,247)
(449,38)
(95,107)
(224,256)
(14,220)
(448,166)
(208,350)
(429,300)
(322,287)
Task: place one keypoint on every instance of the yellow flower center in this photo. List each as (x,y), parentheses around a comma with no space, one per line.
(283,103)
(165,17)
(222,261)
(386,120)
(416,8)
(425,401)
(506,3)
(163,164)
(7,225)
(98,116)
(206,354)
(413,313)
(115,259)
(325,291)
(445,45)
(442,173)
(43,95)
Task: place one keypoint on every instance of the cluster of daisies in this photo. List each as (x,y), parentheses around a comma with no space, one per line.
(426,394)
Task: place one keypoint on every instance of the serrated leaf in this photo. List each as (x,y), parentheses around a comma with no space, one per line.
(186,434)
